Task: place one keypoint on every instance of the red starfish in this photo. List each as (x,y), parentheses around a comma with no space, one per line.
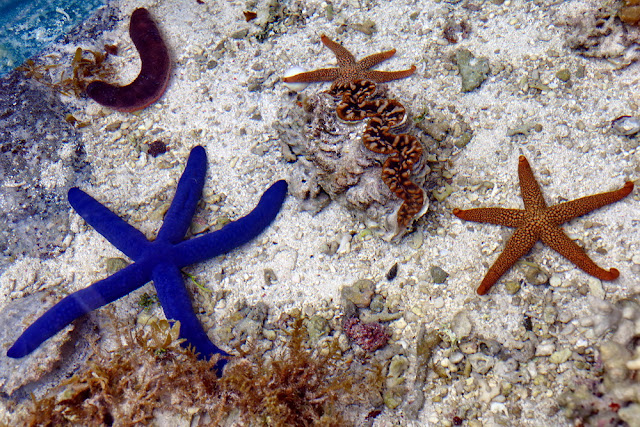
(539,222)
(350,70)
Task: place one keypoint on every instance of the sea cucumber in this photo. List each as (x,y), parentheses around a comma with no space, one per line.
(154,73)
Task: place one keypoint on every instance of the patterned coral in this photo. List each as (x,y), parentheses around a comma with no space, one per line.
(369,336)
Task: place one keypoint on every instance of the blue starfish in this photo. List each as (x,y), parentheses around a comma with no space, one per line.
(159,260)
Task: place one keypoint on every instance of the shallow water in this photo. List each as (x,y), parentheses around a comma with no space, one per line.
(27,27)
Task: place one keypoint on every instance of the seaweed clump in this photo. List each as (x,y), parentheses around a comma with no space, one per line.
(289,384)
(298,386)
(86,66)
(148,371)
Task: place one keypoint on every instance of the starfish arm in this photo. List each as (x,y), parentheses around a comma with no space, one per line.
(498,216)
(373,60)
(517,246)
(120,234)
(79,303)
(321,75)
(529,188)
(343,56)
(176,303)
(561,243)
(178,217)
(566,211)
(386,76)
(235,233)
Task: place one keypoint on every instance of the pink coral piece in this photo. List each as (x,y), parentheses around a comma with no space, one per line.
(369,336)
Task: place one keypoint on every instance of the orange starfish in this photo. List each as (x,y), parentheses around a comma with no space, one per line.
(350,70)
(539,222)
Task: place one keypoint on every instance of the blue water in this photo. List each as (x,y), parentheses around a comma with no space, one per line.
(28,26)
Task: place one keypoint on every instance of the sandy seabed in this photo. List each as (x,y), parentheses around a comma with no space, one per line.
(218,105)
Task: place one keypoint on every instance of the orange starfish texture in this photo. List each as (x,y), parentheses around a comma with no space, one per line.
(350,70)
(539,222)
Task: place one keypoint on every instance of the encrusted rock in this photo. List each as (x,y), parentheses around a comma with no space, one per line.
(369,336)
(473,71)
(360,293)
(615,357)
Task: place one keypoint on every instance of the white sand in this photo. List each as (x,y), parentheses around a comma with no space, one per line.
(216,106)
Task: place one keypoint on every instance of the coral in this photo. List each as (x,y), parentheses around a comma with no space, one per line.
(598,33)
(369,336)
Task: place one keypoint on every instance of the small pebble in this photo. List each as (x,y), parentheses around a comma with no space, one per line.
(456,357)
(438,274)
(560,356)
(512,286)
(116,264)
(563,75)
(595,287)
(360,293)
(545,349)
(393,272)
(555,280)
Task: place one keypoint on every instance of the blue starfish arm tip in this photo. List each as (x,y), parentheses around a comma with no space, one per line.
(237,232)
(178,217)
(116,230)
(176,303)
(77,304)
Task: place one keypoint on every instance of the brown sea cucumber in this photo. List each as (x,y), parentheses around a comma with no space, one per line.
(152,81)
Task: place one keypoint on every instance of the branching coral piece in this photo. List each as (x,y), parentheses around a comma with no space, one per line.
(159,260)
